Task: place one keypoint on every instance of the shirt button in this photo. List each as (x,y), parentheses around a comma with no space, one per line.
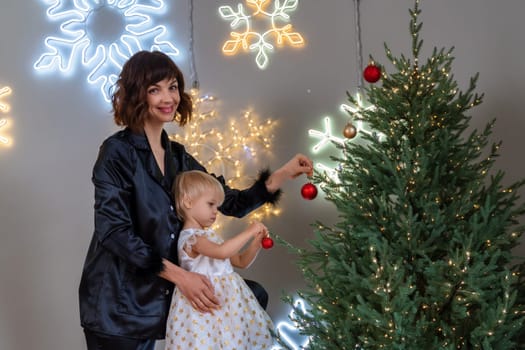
(172,236)
(167,291)
(171,207)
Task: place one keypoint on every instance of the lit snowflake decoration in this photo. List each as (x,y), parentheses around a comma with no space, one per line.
(250,40)
(326,138)
(4,108)
(289,332)
(103,34)
(227,148)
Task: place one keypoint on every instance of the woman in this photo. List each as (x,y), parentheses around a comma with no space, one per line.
(130,268)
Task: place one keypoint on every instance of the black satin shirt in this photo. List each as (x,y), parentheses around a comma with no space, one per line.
(136,226)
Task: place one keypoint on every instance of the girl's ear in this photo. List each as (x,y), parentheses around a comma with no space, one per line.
(186,201)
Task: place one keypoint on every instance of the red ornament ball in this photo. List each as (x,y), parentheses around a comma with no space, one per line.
(372,73)
(267,243)
(309,191)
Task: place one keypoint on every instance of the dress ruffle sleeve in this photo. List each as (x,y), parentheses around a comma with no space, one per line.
(188,238)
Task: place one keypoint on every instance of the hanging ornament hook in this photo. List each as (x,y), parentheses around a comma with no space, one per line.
(358,45)
(193,66)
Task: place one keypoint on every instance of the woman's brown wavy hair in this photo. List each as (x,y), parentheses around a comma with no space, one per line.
(143,69)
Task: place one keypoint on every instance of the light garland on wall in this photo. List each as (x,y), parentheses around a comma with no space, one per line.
(227,152)
(80,40)
(4,108)
(252,41)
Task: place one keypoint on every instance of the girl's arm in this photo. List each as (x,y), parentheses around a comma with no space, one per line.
(244,260)
(229,247)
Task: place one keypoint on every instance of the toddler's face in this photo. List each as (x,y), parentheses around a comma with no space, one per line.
(204,208)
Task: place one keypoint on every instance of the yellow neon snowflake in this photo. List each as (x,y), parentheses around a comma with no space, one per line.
(250,40)
(4,108)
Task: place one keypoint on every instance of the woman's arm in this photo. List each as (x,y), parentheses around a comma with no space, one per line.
(265,189)
(113,181)
(195,287)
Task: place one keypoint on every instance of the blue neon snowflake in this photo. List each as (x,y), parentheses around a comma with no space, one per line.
(101,35)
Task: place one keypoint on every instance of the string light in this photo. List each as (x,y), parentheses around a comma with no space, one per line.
(250,40)
(104,54)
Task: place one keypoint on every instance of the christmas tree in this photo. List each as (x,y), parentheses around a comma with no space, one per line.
(421,256)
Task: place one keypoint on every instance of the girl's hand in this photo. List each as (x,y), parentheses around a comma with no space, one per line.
(257,229)
(258,238)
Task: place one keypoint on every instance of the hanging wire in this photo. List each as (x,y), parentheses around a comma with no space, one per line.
(193,69)
(358,45)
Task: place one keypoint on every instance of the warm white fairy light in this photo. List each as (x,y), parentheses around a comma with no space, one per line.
(228,150)
(250,40)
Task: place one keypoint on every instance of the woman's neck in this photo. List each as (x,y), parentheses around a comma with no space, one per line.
(153,133)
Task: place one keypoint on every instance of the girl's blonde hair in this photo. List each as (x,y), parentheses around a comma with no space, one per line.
(191,184)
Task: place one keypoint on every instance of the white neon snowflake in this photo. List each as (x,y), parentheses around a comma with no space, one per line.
(250,40)
(289,331)
(4,108)
(101,35)
(326,137)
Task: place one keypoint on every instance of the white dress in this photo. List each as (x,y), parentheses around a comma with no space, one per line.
(241,323)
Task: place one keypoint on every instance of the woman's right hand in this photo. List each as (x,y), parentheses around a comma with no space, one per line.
(195,287)
(199,291)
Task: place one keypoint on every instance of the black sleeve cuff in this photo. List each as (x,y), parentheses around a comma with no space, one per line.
(155,266)
(271,198)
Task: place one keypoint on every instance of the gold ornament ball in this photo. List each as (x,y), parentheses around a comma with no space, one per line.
(349,131)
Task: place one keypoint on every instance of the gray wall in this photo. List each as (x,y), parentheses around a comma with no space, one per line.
(59,121)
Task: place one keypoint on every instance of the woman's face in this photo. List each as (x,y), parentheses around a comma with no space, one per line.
(163,99)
